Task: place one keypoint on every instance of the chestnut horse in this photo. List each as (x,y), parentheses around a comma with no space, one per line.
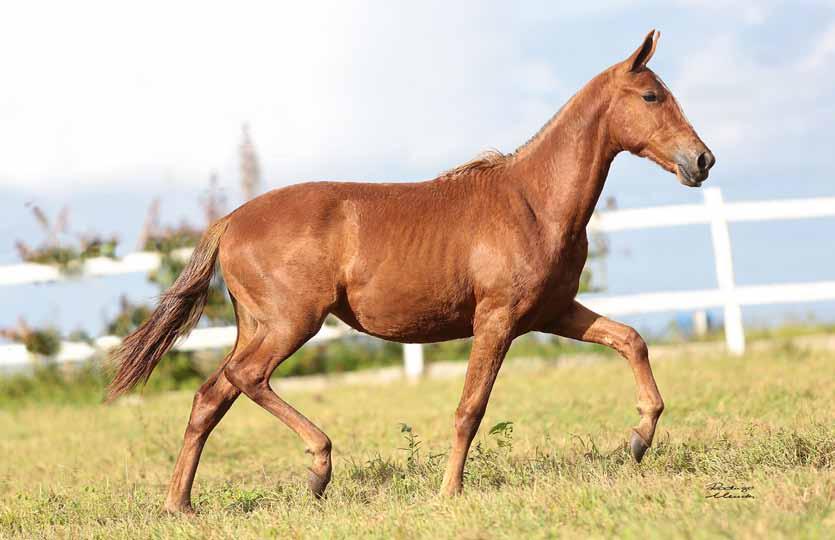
(492,249)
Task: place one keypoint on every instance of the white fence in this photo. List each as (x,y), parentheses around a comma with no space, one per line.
(714,212)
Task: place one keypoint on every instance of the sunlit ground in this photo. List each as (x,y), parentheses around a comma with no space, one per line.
(765,422)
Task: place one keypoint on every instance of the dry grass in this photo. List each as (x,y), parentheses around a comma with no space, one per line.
(766,421)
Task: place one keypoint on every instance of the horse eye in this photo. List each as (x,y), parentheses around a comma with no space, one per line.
(650,97)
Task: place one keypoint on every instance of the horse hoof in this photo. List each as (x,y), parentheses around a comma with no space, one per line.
(638,447)
(179,509)
(451,492)
(317,484)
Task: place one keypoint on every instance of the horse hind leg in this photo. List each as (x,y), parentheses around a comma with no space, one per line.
(211,402)
(250,372)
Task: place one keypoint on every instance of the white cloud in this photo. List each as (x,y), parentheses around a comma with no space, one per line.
(823,51)
(747,108)
(102,87)
(752,12)
(95,90)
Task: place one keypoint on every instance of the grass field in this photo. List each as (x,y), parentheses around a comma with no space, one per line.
(766,421)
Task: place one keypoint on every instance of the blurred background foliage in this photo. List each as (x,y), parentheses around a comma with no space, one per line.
(60,247)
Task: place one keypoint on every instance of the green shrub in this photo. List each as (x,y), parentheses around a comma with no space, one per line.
(46,342)
(129,318)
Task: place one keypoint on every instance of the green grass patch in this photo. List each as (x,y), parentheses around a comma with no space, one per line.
(549,462)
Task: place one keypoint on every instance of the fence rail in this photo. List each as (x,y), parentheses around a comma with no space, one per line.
(714,212)
(132,263)
(199,339)
(697,214)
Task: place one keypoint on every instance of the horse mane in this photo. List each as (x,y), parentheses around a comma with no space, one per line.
(490,159)
(486,160)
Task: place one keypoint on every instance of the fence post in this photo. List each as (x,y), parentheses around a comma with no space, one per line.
(413,360)
(734,331)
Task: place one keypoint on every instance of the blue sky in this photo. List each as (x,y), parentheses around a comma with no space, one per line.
(107,104)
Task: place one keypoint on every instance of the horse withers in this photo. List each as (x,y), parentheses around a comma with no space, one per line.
(491,249)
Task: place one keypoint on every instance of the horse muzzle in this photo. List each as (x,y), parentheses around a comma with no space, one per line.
(693,170)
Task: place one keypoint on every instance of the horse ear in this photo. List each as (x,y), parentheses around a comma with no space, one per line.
(642,54)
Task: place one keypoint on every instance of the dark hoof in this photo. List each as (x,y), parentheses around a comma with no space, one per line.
(638,447)
(317,484)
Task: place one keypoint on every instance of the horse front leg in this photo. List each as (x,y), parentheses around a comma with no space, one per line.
(491,340)
(583,324)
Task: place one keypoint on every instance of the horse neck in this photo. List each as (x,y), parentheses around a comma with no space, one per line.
(563,169)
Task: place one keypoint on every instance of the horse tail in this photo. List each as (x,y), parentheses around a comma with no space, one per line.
(178,311)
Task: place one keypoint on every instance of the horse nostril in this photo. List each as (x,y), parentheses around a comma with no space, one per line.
(705,161)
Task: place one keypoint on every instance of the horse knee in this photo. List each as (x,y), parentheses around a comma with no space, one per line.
(468,418)
(634,346)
